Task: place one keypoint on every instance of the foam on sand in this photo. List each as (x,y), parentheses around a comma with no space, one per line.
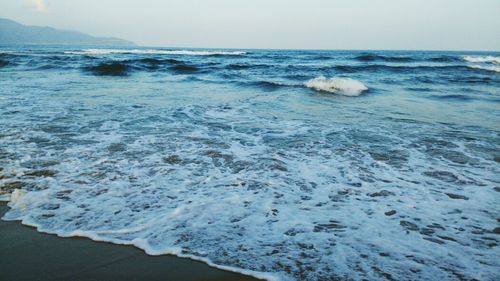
(341,86)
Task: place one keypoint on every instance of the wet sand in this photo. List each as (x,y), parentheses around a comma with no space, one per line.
(26,254)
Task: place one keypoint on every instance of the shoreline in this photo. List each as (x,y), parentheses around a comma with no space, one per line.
(26,254)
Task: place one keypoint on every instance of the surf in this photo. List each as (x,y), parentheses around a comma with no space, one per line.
(339,86)
(154,52)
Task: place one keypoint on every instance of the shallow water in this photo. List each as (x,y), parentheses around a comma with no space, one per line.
(251,160)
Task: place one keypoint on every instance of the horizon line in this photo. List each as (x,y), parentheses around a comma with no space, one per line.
(237,48)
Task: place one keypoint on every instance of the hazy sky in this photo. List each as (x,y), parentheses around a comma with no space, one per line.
(304,24)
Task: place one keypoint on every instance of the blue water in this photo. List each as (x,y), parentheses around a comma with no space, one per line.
(293,165)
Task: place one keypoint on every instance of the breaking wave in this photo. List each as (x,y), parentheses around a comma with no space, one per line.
(155,52)
(341,86)
(488,63)
(482,59)
(398,185)
(487,68)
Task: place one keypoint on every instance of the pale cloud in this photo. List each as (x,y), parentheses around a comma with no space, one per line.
(38,5)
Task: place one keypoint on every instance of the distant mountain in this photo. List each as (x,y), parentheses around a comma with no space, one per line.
(12,32)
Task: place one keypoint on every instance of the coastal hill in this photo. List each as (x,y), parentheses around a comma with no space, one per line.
(12,32)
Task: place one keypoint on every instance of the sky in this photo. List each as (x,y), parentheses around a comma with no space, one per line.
(275,24)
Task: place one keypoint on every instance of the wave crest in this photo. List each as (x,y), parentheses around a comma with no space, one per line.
(109,69)
(3,63)
(341,86)
(482,59)
(155,52)
(487,68)
(384,58)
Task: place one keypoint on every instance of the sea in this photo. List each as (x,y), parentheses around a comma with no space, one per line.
(281,164)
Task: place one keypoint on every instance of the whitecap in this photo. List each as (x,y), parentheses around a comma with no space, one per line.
(341,86)
(155,52)
(482,59)
(487,68)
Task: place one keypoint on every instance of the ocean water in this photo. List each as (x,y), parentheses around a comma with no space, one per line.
(287,165)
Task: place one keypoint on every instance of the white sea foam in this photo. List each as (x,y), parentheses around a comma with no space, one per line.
(251,196)
(486,67)
(483,59)
(288,184)
(341,86)
(155,52)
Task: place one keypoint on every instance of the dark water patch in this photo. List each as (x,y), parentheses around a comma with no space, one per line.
(154,61)
(242,66)
(425,79)
(117,147)
(371,57)
(4,63)
(232,55)
(409,225)
(46,62)
(471,80)
(184,69)
(442,175)
(267,86)
(238,66)
(60,58)
(390,213)
(458,78)
(39,164)
(146,63)
(382,193)
(9,187)
(400,68)
(387,58)
(150,60)
(53,66)
(42,173)
(393,157)
(298,77)
(457,196)
(109,69)
(445,59)
(420,89)
(87,57)
(172,61)
(172,159)
(46,67)
(322,57)
(455,97)
(10,57)
(150,63)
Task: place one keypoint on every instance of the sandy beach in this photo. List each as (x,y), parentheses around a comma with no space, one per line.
(26,254)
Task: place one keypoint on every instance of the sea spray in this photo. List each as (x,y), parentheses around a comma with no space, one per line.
(340,86)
